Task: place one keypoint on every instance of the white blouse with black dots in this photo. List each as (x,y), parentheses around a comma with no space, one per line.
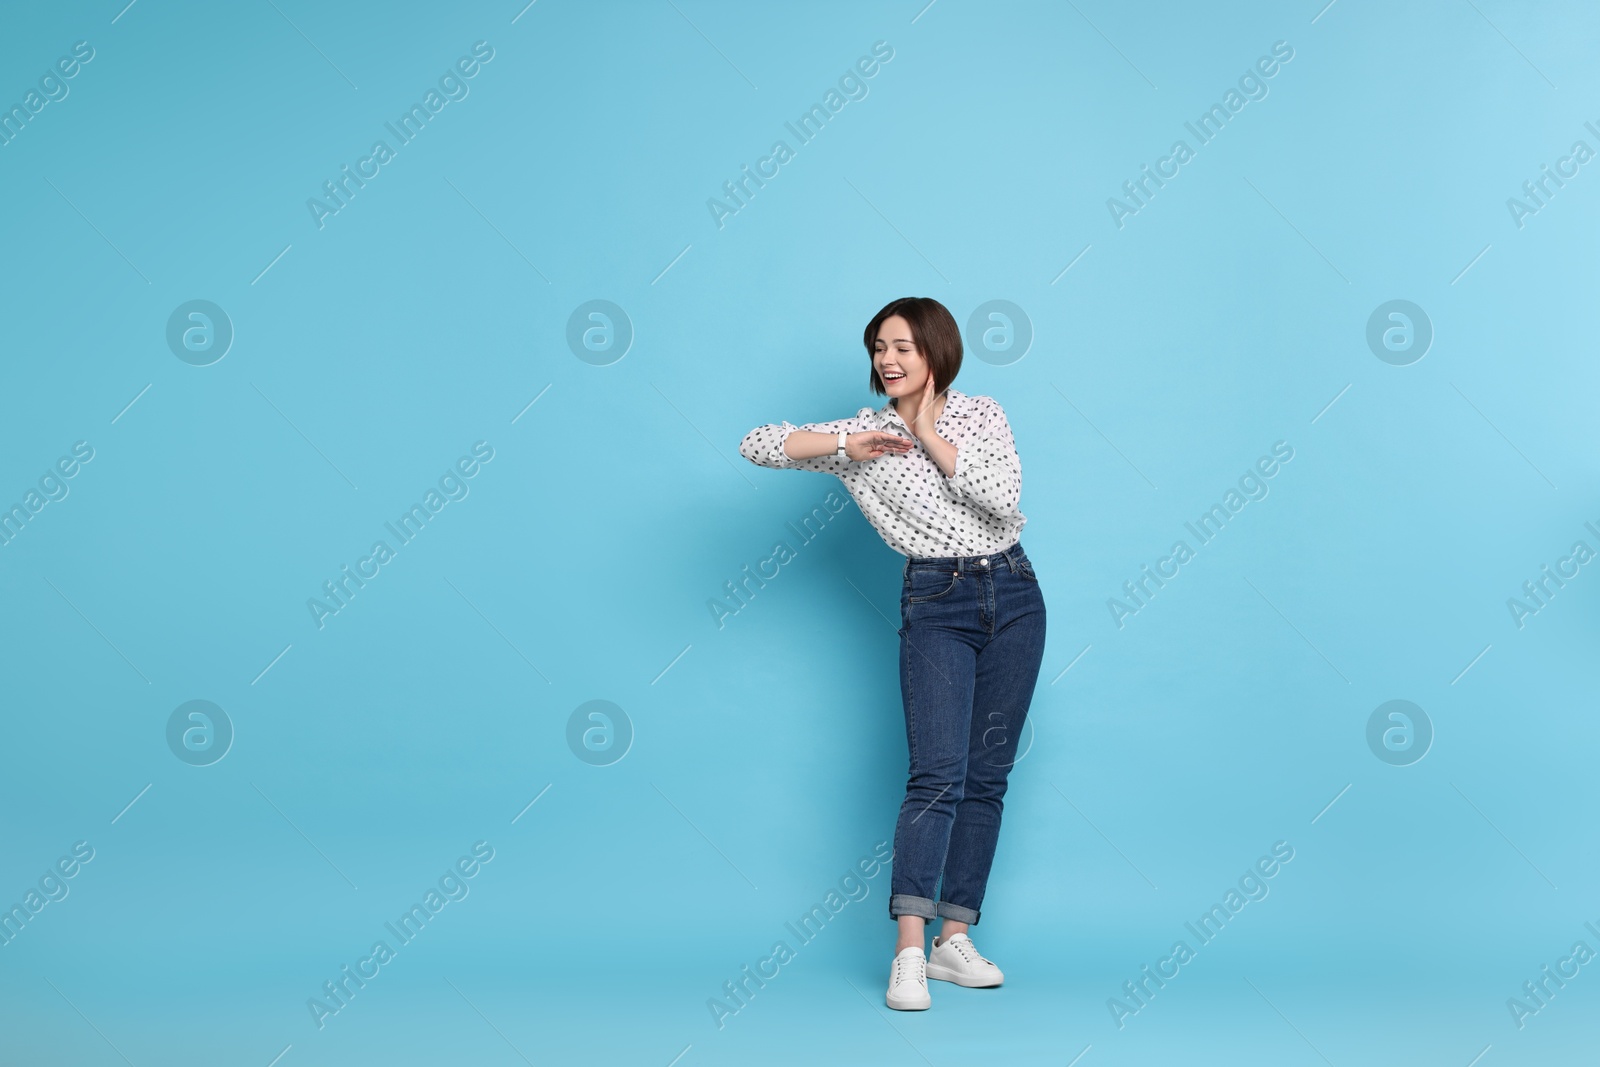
(906,497)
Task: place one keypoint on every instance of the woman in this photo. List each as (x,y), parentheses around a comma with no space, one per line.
(972,619)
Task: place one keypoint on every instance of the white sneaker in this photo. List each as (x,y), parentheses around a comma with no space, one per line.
(908,981)
(956,959)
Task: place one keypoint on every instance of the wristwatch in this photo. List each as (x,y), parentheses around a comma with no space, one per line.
(841,452)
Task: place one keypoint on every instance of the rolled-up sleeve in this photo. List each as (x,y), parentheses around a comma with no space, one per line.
(988,472)
(763,445)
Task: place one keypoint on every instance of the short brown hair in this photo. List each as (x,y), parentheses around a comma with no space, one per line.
(933,331)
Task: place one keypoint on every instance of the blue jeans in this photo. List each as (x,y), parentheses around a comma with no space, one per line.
(971,641)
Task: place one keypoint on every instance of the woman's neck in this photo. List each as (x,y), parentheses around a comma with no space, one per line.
(939,402)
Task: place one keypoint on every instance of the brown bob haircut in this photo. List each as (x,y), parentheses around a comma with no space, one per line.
(933,331)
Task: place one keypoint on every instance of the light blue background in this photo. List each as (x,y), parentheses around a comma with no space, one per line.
(768,754)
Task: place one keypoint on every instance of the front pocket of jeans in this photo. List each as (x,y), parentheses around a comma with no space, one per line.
(934,584)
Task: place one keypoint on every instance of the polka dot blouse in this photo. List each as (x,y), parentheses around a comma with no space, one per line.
(907,498)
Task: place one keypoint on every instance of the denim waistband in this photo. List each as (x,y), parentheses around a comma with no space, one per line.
(984,561)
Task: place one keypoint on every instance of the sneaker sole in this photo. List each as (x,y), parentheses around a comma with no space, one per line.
(909,1005)
(944,974)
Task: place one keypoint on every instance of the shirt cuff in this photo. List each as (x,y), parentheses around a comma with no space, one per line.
(963,465)
(783,458)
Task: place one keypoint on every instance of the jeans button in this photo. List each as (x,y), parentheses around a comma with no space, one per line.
(984,562)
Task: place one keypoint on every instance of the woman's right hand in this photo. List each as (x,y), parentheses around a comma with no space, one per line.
(870,444)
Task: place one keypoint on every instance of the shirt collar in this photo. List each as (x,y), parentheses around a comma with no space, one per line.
(957,404)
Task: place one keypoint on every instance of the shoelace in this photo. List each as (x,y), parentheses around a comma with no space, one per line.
(968,950)
(902,963)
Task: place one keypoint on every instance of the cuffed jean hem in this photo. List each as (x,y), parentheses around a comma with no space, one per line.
(947,910)
(905,904)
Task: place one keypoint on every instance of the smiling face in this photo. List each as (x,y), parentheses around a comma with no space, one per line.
(913,344)
(900,366)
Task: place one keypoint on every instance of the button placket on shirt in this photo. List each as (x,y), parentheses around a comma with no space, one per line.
(958,406)
(928,506)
